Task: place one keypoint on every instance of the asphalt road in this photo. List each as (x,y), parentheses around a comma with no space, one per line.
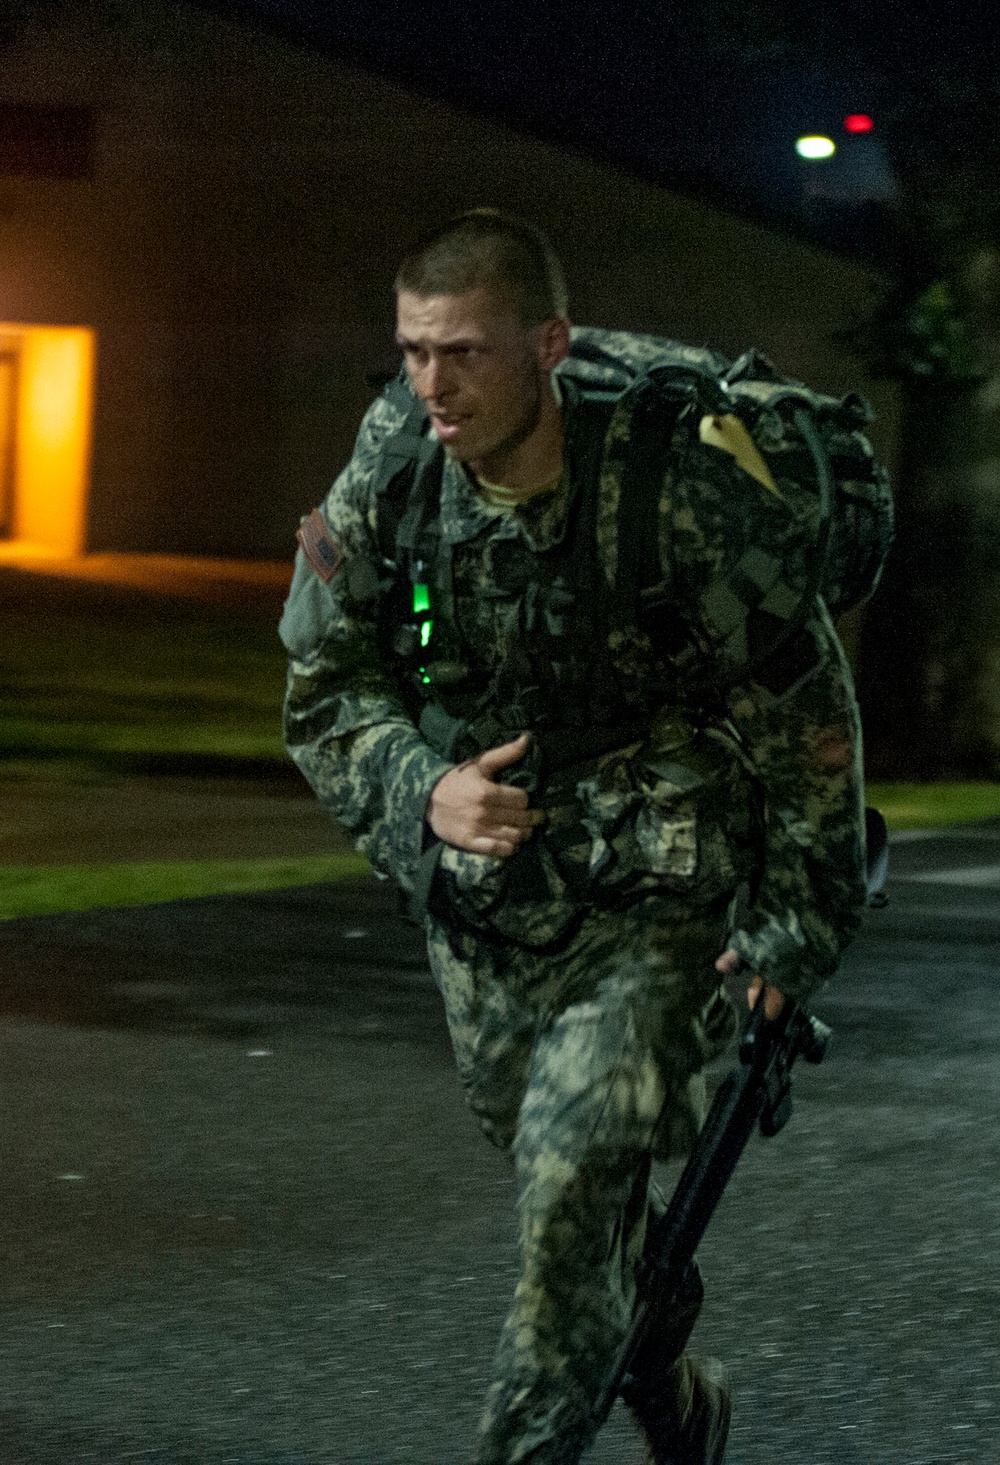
(247,1218)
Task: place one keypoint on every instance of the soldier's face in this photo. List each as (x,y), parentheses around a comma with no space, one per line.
(480,372)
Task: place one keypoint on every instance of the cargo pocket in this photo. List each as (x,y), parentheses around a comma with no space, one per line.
(668,840)
(695,810)
(667,828)
(523,898)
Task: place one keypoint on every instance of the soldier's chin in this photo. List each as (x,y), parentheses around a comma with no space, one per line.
(460,449)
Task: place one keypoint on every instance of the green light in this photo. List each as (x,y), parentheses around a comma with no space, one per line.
(425,632)
(815,147)
(421,599)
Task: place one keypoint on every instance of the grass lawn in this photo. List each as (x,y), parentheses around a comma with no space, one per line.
(926,805)
(119,675)
(42,890)
(36,890)
(118,678)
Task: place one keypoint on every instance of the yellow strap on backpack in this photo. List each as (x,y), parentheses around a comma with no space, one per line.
(727,432)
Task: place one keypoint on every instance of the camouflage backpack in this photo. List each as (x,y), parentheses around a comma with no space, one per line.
(814,446)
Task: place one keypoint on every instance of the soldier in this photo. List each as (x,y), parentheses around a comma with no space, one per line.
(572,780)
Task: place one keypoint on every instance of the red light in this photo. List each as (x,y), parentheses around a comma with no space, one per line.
(858,122)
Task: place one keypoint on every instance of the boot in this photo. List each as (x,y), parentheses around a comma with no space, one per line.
(686,1421)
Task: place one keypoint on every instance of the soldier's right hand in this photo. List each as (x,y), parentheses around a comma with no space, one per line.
(467,808)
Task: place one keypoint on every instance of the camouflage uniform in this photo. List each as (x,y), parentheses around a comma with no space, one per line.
(578,975)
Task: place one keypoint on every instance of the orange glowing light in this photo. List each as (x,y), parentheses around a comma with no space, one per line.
(50,432)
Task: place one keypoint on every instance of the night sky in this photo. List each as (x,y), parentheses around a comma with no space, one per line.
(676,94)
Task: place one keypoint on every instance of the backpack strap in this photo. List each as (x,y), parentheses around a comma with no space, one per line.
(664,394)
(406,453)
(665,397)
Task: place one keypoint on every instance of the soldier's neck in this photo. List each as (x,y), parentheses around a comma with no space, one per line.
(532,466)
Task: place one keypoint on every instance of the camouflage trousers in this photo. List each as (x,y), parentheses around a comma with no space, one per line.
(584,1065)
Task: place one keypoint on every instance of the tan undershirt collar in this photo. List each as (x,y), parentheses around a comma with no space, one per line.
(498,496)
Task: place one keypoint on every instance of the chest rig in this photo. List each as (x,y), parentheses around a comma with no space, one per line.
(569,659)
(596,639)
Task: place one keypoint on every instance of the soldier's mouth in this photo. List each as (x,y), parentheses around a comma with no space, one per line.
(446,428)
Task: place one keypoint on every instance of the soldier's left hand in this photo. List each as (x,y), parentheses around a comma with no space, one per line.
(730,962)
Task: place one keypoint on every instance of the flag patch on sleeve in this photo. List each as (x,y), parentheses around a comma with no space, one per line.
(319,547)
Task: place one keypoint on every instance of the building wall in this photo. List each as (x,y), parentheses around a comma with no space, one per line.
(235,246)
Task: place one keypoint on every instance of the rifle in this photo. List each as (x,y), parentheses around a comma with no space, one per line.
(756,1093)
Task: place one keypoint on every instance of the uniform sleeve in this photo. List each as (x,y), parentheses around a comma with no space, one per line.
(345,725)
(742,563)
(804,743)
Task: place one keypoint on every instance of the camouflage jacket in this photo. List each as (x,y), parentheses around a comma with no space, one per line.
(766,786)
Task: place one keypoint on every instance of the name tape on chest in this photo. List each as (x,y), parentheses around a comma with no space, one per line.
(319,547)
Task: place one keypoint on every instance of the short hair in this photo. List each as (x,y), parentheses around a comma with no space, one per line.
(494,250)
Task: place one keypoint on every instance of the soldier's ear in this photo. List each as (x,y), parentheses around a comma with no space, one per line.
(553,342)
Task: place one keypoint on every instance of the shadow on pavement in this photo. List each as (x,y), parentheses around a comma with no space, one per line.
(234,965)
(20,1447)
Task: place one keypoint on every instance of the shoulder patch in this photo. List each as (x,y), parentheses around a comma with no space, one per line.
(319,547)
